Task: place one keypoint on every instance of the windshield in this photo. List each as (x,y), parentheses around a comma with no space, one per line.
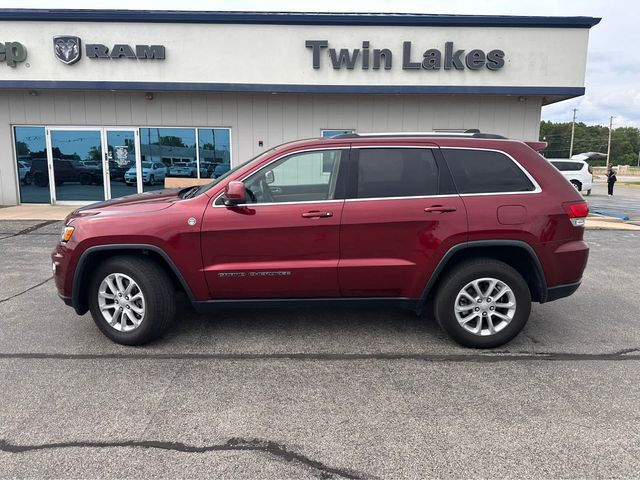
(204,188)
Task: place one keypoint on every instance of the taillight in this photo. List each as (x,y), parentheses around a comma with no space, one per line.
(577,212)
(590,169)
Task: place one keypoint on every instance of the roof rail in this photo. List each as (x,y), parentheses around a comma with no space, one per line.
(470,133)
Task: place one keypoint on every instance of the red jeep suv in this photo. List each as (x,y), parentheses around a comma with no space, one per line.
(472,225)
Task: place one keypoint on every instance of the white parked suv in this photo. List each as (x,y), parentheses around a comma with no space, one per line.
(152,172)
(578,172)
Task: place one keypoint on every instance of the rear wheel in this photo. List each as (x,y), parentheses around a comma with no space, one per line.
(588,192)
(577,185)
(85,179)
(41,180)
(132,300)
(483,303)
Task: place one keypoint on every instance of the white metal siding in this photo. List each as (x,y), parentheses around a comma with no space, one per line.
(272,119)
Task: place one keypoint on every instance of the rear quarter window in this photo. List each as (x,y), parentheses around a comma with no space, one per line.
(484,171)
(568,166)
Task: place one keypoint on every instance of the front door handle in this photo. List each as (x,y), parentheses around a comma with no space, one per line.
(439,209)
(317,214)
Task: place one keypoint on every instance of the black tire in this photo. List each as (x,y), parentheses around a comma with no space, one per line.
(28,180)
(159,295)
(577,185)
(41,180)
(471,270)
(588,192)
(152,180)
(85,179)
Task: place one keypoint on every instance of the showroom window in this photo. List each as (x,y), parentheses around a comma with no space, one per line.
(172,152)
(31,158)
(214,150)
(78,154)
(332,133)
(167,152)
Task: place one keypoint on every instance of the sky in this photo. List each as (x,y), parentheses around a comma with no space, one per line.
(613,64)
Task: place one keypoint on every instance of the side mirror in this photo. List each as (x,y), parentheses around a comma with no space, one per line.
(269,177)
(235,193)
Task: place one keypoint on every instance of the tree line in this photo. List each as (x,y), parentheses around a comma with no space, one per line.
(625,141)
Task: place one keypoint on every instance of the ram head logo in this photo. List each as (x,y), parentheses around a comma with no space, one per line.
(67,48)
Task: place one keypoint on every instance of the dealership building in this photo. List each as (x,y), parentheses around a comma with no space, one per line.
(99,104)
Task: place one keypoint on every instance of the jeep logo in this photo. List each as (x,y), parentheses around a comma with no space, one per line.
(12,53)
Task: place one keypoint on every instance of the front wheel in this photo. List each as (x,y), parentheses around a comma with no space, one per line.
(483,303)
(152,180)
(132,300)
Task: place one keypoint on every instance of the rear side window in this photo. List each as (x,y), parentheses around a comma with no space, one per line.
(396,172)
(568,166)
(482,171)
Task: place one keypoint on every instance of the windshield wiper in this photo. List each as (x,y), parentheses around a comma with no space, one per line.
(189,192)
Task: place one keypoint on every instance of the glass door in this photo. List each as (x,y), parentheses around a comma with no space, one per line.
(122,162)
(75,165)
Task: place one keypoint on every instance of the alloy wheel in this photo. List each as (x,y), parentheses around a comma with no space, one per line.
(485,306)
(121,302)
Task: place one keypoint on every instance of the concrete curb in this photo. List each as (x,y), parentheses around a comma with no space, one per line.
(599,223)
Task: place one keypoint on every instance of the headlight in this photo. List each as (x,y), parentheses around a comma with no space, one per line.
(67,232)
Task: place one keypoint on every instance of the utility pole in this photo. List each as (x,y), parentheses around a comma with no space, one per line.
(609,144)
(573,130)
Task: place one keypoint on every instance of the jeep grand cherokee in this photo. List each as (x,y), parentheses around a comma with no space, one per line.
(473,225)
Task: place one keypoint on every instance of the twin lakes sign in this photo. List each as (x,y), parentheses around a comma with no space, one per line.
(68,49)
(432,58)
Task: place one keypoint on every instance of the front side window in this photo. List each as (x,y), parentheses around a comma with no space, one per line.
(300,177)
(483,171)
(396,172)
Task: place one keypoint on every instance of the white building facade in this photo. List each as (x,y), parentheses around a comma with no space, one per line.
(99,104)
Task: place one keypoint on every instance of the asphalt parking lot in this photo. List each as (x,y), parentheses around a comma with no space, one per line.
(625,201)
(319,393)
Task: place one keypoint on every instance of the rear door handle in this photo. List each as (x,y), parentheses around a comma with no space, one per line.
(317,214)
(439,209)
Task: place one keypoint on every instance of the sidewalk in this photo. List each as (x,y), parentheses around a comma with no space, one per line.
(36,212)
(600,223)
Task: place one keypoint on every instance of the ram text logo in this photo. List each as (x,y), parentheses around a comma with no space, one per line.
(68,49)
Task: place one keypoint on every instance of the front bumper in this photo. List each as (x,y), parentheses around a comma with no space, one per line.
(61,262)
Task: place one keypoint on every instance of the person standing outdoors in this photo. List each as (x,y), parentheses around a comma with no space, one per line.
(611,179)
